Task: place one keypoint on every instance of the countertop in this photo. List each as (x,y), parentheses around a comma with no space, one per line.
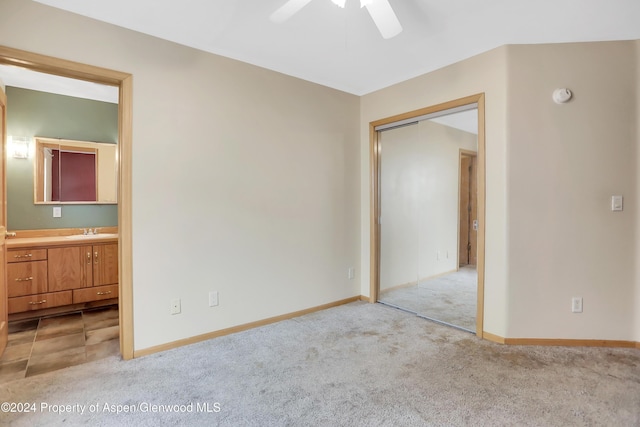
(76,239)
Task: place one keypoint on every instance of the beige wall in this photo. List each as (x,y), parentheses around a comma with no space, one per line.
(255,184)
(551,170)
(419,187)
(245,181)
(399,174)
(564,164)
(484,73)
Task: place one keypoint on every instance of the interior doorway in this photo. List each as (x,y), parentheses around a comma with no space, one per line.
(123,82)
(417,189)
(468,209)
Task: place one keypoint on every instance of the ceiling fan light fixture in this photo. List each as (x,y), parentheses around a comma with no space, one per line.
(380,10)
(287,10)
(384,18)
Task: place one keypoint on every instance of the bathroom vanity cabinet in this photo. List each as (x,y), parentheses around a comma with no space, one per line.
(48,272)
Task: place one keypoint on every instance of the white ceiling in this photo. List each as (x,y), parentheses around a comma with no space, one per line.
(342,49)
(27,79)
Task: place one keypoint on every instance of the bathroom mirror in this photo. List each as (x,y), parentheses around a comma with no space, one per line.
(67,171)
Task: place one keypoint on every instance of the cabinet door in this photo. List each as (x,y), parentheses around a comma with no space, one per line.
(70,268)
(105,264)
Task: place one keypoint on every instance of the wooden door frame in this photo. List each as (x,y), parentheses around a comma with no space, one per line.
(462,153)
(124,81)
(374,178)
(4,294)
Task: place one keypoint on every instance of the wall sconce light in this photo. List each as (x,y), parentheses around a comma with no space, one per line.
(19,146)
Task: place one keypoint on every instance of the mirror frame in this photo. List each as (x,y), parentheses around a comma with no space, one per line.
(78,146)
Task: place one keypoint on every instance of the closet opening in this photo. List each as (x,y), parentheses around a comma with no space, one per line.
(428,212)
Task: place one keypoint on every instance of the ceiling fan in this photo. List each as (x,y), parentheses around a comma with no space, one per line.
(380,11)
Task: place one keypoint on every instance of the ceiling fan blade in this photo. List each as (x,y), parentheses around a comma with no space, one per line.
(287,10)
(384,18)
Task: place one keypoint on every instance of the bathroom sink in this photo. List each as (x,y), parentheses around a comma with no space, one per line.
(93,236)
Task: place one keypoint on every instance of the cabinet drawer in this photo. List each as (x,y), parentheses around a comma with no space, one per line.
(95,293)
(37,302)
(27,278)
(21,255)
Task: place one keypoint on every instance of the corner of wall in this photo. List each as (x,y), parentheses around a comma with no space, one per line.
(365,203)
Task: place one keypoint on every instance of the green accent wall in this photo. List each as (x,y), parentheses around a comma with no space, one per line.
(32,113)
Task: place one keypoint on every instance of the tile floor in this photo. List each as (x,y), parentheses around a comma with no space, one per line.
(50,343)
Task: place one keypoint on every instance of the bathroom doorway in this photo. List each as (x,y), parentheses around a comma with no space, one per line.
(123,84)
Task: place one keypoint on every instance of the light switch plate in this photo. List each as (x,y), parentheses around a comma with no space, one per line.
(213,298)
(616,203)
(57,211)
(576,305)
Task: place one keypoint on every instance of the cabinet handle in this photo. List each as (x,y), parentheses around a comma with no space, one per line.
(23,256)
(88,257)
(104,293)
(95,257)
(26,279)
(37,302)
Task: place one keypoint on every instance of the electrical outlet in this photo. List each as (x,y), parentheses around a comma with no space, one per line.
(57,211)
(175,306)
(576,305)
(213,298)
(351,273)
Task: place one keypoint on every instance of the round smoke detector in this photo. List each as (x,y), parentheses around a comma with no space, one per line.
(560,96)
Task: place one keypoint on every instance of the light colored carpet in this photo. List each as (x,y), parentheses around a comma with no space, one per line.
(355,365)
(451,299)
